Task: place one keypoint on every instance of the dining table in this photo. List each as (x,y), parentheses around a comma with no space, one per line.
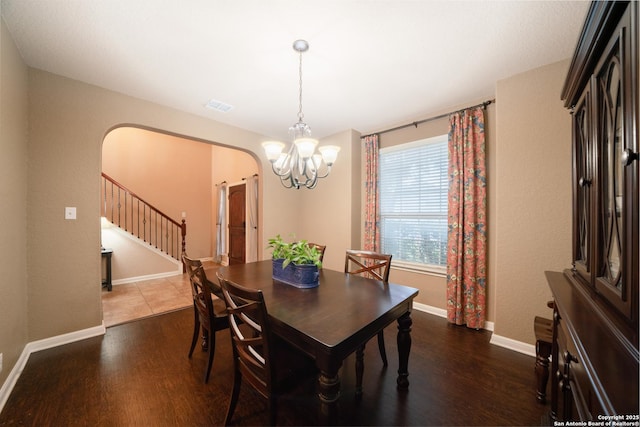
(331,321)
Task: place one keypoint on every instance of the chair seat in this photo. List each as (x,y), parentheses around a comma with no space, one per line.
(220,312)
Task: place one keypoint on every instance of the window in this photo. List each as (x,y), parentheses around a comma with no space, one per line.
(413,204)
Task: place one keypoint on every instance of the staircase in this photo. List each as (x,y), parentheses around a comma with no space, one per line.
(123,208)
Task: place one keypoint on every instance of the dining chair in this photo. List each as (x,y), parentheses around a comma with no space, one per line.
(321,249)
(373,265)
(250,340)
(210,313)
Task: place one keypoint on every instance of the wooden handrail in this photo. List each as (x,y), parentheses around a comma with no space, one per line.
(139,216)
(134,195)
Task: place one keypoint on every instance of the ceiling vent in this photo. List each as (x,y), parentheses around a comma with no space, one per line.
(219,106)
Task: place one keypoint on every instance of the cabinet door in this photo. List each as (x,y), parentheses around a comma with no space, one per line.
(582,179)
(613,105)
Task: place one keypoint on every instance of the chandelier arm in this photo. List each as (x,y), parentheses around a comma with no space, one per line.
(284,181)
(326,173)
(311,183)
(279,172)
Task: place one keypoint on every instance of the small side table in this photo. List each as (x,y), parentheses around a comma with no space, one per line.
(106,253)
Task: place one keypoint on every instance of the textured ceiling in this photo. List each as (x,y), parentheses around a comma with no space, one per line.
(371,63)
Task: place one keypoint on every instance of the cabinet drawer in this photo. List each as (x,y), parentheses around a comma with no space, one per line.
(580,401)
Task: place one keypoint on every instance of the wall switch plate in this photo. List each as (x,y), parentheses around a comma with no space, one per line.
(69,213)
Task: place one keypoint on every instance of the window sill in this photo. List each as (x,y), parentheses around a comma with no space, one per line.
(430,270)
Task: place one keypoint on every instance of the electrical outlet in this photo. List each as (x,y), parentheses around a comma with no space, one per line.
(69,213)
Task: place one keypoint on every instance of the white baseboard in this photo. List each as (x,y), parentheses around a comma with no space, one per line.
(519,346)
(148,277)
(441,312)
(44,344)
(508,343)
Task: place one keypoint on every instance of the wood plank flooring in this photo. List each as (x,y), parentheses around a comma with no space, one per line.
(138,374)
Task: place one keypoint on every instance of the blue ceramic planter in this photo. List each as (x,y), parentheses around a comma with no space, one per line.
(300,276)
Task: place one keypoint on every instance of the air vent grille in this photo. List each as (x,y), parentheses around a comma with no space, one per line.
(219,106)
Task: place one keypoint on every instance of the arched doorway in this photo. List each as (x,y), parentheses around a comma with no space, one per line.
(178,176)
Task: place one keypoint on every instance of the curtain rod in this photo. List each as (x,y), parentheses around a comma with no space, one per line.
(482,104)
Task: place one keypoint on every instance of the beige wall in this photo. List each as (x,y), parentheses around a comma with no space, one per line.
(326,212)
(132,259)
(13,195)
(533,196)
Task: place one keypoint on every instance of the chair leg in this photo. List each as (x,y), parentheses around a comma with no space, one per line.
(543,352)
(196,330)
(383,352)
(235,393)
(205,339)
(212,349)
(359,369)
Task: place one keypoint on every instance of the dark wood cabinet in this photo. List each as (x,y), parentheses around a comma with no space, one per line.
(595,355)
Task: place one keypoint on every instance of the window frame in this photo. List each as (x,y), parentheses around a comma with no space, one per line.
(397,264)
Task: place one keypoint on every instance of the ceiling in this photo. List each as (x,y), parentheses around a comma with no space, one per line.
(371,64)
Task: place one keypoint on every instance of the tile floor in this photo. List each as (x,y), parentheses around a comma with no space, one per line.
(131,301)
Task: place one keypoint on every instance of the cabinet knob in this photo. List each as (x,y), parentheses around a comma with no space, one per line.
(628,156)
(584,182)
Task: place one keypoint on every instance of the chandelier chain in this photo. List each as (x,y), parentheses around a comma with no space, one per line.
(300,113)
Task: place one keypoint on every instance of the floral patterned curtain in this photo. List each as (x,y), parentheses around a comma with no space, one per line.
(372,200)
(466,248)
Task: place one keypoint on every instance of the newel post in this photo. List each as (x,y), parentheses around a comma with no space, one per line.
(183,230)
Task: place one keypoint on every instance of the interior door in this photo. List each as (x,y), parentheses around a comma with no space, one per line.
(237,224)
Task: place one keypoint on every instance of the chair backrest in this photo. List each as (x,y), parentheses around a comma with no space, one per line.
(199,289)
(369,264)
(198,278)
(250,334)
(320,248)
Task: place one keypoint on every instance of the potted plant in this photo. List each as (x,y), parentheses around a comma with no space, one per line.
(295,263)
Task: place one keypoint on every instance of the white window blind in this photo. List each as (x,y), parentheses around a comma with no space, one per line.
(413,181)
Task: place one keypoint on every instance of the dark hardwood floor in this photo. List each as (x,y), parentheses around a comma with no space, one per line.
(138,374)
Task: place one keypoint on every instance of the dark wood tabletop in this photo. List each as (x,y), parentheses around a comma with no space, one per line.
(333,320)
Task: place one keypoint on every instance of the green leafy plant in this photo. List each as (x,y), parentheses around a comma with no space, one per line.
(298,252)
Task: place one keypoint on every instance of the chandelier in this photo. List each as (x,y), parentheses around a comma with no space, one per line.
(301,166)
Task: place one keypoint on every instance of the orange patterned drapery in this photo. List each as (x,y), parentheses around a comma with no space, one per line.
(467,232)
(372,198)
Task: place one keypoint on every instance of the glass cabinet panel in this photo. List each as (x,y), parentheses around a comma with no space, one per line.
(583,188)
(613,201)
(612,142)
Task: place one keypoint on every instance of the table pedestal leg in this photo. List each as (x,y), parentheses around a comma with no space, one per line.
(359,370)
(404,347)
(328,392)
(328,387)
